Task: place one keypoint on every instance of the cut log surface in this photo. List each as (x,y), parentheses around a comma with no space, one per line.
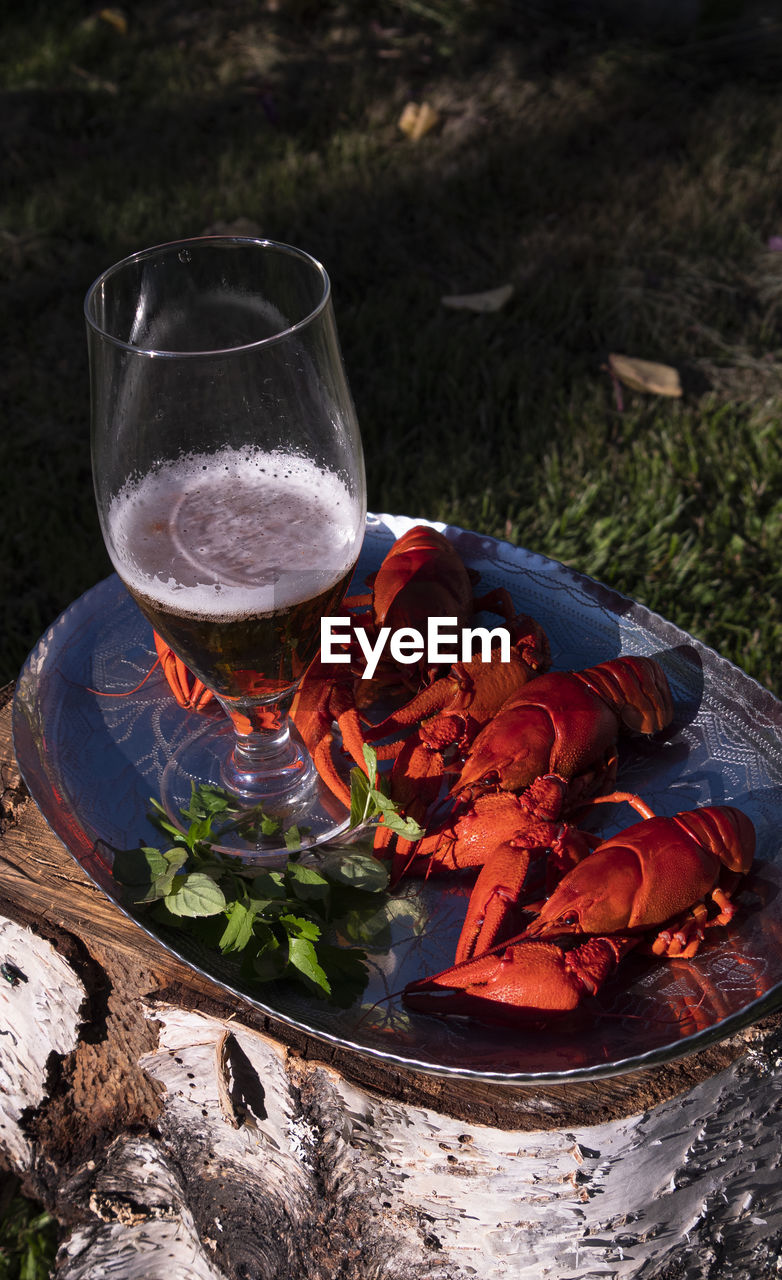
(176,1132)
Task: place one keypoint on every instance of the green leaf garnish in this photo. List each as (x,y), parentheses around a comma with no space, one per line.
(239,930)
(269,961)
(194,894)
(304,957)
(307,884)
(368,800)
(279,922)
(268,884)
(358,870)
(292,839)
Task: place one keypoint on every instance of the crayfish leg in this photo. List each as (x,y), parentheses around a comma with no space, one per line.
(683,937)
(623,797)
(493,911)
(727,910)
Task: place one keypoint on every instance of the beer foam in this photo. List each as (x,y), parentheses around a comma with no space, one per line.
(234,534)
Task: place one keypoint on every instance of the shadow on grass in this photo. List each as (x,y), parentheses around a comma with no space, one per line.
(585,173)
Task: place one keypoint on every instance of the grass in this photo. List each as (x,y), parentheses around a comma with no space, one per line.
(28,1237)
(625,187)
(624,184)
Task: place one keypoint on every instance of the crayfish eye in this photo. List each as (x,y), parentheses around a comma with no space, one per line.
(490,779)
(570,918)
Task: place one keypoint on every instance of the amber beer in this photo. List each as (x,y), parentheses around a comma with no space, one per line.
(234,558)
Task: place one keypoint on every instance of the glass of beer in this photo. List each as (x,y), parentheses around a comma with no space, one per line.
(229,479)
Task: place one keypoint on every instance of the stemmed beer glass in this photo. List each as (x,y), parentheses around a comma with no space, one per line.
(229,479)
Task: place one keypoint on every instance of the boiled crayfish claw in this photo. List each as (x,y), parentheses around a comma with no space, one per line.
(521,983)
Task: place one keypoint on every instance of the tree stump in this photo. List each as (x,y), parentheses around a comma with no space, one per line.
(177,1133)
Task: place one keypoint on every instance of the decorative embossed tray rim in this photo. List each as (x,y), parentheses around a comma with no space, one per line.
(737,705)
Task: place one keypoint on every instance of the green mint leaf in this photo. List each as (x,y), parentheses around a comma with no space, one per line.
(401,826)
(358,870)
(382,804)
(276,919)
(300,927)
(138,868)
(215,800)
(307,884)
(147,873)
(207,801)
(303,956)
(160,887)
(370,759)
(270,960)
(199,832)
(239,930)
(195,894)
(155,893)
(359,797)
(292,839)
(346,973)
(268,909)
(268,884)
(379,802)
(368,800)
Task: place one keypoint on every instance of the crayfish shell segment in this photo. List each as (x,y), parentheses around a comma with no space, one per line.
(726,831)
(638,690)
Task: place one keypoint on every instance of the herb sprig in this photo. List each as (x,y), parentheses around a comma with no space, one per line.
(284,923)
(368,800)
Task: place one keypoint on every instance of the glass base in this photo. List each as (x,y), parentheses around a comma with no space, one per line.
(302,801)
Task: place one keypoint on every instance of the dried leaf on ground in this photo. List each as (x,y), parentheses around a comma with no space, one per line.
(116,19)
(417,119)
(490,300)
(646,375)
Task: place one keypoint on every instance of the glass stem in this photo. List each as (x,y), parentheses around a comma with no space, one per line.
(268,765)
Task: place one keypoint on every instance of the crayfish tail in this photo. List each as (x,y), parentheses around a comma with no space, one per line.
(636,688)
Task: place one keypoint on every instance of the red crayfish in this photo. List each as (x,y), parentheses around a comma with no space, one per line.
(188,690)
(561,724)
(568,723)
(657,880)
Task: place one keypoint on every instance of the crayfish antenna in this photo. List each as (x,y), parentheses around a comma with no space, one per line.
(103,693)
(402,862)
(621,797)
(358,602)
(386,999)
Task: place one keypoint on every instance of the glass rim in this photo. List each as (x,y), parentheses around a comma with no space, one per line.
(225,241)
